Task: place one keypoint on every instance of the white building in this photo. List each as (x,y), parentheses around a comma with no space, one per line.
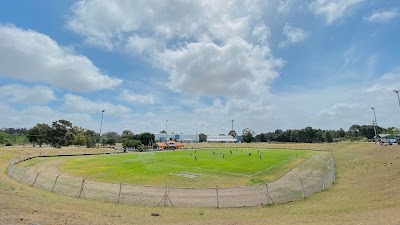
(184,138)
(221,139)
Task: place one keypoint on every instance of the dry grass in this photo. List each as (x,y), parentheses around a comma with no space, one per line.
(366,192)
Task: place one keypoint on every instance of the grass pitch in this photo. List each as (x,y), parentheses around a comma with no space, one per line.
(223,166)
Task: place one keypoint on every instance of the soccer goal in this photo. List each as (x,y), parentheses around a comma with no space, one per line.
(146,157)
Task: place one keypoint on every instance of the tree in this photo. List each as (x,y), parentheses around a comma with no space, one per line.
(91,138)
(146,137)
(130,143)
(61,134)
(248,135)
(127,134)
(232,133)
(39,134)
(4,138)
(328,137)
(202,137)
(163,132)
(80,139)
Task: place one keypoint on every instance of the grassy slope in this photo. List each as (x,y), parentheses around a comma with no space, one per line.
(233,169)
(366,192)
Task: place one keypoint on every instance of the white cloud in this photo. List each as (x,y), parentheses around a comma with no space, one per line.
(199,43)
(293,35)
(74,103)
(34,57)
(386,83)
(339,110)
(26,95)
(285,6)
(382,16)
(334,10)
(237,68)
(136,98)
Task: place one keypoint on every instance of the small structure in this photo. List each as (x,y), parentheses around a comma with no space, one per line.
(169,145)
(161,145)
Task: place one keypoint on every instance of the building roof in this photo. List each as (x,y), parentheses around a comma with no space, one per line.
(161,144)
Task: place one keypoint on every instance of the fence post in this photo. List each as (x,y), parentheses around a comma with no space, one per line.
(267,196)
(323,182)
(54,185)
(37,175)
(81,190)
(166,198)
(302,187)
(119,194)
(22,175)
(217,197)
(333,166)
(12,175)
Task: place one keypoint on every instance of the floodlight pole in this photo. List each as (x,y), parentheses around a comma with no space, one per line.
(166,130)
(375,123)
(398,97)
(232,124)
(101,124)
(196,133)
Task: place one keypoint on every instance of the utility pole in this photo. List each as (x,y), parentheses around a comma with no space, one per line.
(101,124)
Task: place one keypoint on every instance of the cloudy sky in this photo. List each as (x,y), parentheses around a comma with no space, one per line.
(267,65)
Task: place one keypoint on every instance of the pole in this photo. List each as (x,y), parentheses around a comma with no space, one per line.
(196,133)
(232,124)
(101,124)
(217,196)
(302,188)
(55,181)
(119,194)
(398,97)
(166,130)
(375,124)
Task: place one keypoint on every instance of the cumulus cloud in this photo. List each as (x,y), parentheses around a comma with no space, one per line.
(34,57)
(382,16)
(293,35)
(136,98)
(237,68)
(74,103)
(334,10)
(205,47)
(26,95)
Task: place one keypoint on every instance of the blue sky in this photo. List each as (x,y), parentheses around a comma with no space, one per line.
(279,64)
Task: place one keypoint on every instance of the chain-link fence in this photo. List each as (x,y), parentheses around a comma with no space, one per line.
(295,184)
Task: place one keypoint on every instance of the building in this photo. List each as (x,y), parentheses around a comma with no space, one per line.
(169,145)
(185,138)
(221,139)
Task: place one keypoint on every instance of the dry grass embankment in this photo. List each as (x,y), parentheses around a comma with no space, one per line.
(366,192)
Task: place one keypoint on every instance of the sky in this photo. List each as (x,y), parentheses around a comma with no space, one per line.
(266,65)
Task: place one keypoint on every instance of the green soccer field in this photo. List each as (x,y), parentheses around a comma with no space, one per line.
(188,168)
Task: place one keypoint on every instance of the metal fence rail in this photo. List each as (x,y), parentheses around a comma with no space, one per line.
(289,187)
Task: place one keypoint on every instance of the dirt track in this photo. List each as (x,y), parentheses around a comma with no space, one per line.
(285,189)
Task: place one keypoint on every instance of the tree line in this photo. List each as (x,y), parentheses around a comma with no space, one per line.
(63,133)
(311,135)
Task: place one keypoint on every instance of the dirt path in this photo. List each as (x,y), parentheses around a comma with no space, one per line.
(285,189)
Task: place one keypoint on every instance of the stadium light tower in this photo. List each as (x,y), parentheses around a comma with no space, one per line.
(101,124)
(398,97)
(196,134)
(166,130)
(375,123)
